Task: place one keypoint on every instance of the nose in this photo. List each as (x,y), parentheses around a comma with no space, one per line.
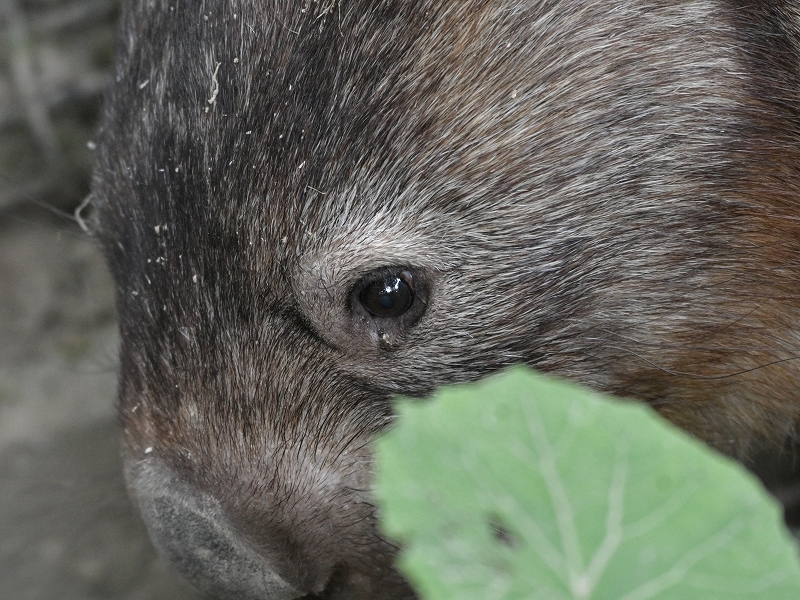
(321,544)
(191,530)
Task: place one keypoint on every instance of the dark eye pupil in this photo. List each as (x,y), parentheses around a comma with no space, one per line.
(387,297)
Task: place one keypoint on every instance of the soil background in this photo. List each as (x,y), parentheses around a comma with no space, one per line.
(67,528)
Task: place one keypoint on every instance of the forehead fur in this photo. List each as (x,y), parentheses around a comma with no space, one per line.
(276,138)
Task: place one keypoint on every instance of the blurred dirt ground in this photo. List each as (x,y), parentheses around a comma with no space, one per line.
(67,528)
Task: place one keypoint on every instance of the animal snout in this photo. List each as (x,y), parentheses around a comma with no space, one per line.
(243,542)
(192,530)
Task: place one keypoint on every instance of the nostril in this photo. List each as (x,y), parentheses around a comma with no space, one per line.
(336,588)
(192,531)
(346,583)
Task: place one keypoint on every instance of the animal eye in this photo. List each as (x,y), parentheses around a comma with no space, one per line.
(389,296)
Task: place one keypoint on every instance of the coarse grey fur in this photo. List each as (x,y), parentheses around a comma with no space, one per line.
(603,189)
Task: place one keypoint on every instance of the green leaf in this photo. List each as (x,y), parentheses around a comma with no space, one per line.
(523,486)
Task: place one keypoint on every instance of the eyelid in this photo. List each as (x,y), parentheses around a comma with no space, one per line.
(408,277)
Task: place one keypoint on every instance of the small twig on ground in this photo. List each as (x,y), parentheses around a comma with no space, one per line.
(25,81)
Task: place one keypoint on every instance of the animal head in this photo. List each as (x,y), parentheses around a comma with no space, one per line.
(310,207)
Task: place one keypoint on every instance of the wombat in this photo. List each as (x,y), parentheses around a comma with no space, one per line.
(310,206)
